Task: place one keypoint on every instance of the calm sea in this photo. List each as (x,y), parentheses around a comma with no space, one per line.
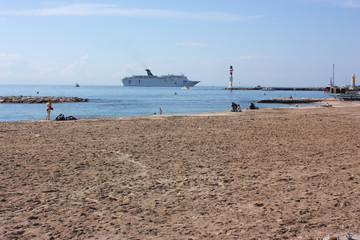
(118,101)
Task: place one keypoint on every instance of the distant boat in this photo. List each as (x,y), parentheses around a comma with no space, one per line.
(185,87)
(77,85)
(151,80)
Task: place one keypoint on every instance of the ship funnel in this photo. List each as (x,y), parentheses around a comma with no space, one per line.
(149,72)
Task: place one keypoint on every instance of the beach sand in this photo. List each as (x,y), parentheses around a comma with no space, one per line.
(284,173)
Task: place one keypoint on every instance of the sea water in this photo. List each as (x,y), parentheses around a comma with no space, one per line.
(119,101)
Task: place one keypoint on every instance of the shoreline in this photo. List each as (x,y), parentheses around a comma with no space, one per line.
(333,102)
(272,173)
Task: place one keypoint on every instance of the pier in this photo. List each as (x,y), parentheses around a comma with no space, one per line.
(37,99)
(277,88)
(290,100)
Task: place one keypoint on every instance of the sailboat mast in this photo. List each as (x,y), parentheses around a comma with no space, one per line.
(333,79)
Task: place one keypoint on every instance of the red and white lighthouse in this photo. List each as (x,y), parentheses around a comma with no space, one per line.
(231,77)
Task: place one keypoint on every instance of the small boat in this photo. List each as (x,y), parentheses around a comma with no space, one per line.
(185,88)
(77,85)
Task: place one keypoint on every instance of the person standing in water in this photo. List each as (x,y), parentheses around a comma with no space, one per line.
(48,109)
(160,111)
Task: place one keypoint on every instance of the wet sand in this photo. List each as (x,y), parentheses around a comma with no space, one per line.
(285,173)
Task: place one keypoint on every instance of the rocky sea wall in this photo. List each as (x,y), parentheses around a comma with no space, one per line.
(290,100)
(37,99)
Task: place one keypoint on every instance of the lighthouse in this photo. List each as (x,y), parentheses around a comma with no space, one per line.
(353,81)
(231,77)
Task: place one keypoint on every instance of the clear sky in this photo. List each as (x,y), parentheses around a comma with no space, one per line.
(98,42)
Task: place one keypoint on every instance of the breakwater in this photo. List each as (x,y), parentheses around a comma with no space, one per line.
(290,100)
(276,88)
(38,99)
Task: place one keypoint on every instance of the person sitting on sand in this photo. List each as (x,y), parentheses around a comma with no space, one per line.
(234,106)
(238,108)
(252,106)
(48,109)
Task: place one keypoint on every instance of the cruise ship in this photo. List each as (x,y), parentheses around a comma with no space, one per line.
(151,80)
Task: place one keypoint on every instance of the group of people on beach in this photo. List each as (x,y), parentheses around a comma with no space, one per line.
(236,107)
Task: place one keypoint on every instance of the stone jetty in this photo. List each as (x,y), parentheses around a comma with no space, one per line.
(290,100)
(38,99)
(277,88)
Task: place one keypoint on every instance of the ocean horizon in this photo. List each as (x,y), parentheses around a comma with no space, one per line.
(120,101)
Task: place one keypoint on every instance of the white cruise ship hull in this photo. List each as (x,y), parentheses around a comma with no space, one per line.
(155,81)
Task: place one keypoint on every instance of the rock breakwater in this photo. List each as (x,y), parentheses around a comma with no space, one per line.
(290,100)
(37,99)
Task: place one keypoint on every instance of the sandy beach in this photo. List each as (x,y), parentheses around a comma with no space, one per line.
(284,173)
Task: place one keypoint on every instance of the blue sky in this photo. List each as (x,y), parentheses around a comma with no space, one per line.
(268,42)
